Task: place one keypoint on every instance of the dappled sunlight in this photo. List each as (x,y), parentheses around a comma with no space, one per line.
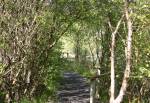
(74,51)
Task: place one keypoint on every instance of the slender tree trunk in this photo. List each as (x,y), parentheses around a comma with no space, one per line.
(77,49)
(112,87)
(128,56)
(92,54)
(92,91)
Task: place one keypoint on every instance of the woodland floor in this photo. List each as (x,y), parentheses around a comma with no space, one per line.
(74,89)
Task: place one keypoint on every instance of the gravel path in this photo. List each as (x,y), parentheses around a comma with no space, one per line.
(74,89)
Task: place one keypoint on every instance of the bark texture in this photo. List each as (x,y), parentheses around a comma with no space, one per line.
(119,98)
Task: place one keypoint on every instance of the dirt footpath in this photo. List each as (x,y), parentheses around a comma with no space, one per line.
(74,89)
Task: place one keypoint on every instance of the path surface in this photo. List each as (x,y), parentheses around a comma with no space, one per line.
(74,89)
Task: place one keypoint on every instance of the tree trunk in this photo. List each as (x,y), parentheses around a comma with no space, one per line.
(128,56)
(92,91)
(112,87)
(77,49)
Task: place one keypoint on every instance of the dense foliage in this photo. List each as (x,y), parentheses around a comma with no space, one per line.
(34,34)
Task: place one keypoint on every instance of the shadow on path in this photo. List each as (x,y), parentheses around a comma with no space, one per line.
(74,89)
